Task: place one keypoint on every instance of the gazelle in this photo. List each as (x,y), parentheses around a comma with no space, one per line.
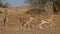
(46,21)
(6,17)
(24,21)
(31,18)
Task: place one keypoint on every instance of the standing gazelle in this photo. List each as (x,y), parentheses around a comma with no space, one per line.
(6,17)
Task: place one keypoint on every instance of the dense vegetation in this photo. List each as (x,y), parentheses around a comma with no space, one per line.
(39,4)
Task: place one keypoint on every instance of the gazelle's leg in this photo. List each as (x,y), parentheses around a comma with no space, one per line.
(20,22)
(42,22)
(47,21)
(40,26)
(28,22)
(52,23)
(52,20)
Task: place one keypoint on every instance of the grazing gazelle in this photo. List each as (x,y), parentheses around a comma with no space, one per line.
(25,21)
(28,22)
(48,21)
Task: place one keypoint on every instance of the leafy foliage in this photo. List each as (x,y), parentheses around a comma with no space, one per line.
(3,5)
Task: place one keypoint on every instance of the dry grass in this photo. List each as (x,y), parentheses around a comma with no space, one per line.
(14,24)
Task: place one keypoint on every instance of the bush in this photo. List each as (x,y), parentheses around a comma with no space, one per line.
(35,11)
